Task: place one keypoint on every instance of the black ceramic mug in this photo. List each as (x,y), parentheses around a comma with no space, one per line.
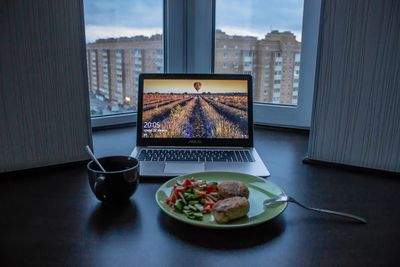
(120,180)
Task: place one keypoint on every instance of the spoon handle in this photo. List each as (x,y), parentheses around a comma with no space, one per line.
(89,151)
(337,213)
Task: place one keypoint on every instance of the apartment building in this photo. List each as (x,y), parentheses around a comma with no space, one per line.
(274,62)
(114,65)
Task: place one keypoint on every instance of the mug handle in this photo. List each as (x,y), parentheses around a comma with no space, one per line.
(99,188)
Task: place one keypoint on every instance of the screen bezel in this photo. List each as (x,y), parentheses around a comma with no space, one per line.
(214,142)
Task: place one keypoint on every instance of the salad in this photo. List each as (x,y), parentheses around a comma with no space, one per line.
(193,197)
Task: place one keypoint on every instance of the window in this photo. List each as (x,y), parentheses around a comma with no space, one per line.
(277,51)
(231,42)
(282,42)
(119,49)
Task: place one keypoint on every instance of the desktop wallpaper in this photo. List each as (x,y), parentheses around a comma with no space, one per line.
(195,109)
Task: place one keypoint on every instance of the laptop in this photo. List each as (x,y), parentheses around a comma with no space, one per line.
(195,122)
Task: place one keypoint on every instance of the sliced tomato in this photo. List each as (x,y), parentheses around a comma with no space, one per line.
(209,203)
(195,184)
(179,189)
(211,188)
(203,194)
(187,183)
(207,209)
(169,202)
(174,197)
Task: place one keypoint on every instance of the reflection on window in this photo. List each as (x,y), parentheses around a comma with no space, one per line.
(119,49)
(271,56)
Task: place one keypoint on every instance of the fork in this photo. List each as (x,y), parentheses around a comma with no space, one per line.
(284,198)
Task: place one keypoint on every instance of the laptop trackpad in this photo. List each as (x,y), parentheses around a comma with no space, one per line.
(175,167)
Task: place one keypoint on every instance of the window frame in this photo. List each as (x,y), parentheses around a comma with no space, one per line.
(298,116)
(189,48)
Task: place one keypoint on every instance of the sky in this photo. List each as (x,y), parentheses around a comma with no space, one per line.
(182,86)
(117,18)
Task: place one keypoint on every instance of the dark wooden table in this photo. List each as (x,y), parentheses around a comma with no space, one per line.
(51,218)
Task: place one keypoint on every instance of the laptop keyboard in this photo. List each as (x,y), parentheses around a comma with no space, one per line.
(195,155)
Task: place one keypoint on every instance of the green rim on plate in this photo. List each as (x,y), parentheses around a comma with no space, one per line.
(260,190)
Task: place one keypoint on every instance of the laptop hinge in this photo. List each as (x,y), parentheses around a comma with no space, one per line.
(192,147)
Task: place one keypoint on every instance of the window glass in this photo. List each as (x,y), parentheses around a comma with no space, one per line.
(264,39)
(122,41)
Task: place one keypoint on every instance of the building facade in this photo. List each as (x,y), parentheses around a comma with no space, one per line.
(114,65)
(274,62)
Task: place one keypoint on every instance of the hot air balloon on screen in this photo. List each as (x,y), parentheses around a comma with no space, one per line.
(197,86)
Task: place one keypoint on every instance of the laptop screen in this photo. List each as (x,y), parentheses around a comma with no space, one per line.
(200,107)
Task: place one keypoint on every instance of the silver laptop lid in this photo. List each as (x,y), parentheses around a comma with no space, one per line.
(208,110)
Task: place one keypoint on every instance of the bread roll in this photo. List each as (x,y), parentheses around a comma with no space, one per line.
(230,209)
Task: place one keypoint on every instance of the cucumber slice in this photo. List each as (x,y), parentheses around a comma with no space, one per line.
(179,205)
